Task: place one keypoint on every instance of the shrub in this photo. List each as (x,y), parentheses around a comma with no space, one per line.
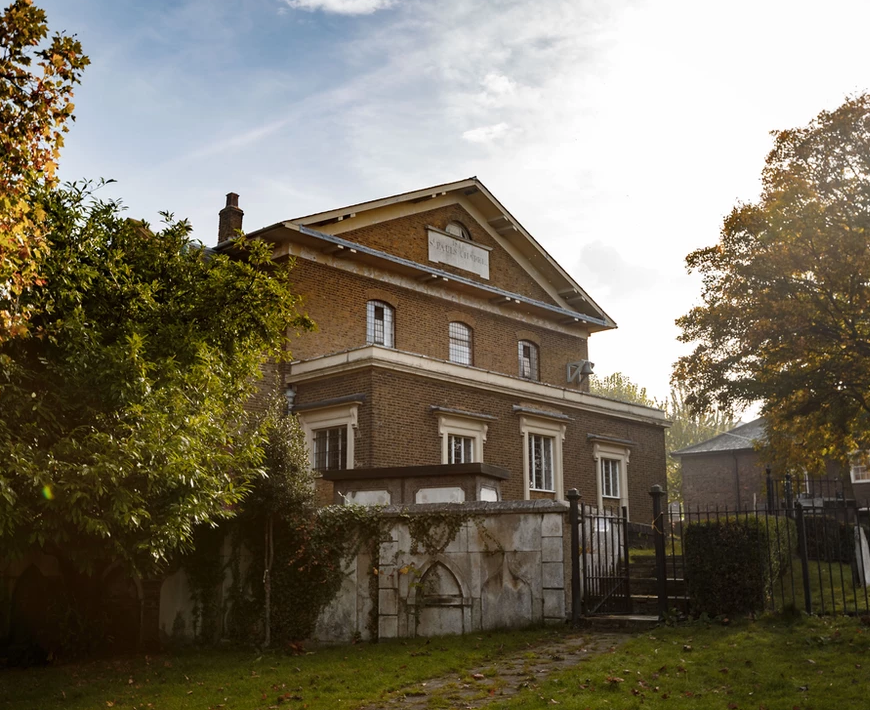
(732,563)
(829,540)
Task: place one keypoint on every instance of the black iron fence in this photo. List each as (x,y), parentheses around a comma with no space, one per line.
(600,553)
(806,547)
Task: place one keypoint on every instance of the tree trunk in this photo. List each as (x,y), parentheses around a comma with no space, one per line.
(269,554)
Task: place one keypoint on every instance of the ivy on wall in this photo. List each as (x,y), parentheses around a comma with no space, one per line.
(288,557)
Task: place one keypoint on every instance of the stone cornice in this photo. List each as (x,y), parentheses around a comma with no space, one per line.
(431,368)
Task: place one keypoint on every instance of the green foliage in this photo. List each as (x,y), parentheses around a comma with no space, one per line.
(619,386)
(123,424)
(786,293)
(732,563)
(829,540)
(689,427)
(205,572)
(35,108)
(311,548)
(296,551)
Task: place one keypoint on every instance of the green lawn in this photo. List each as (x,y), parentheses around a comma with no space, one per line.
(328,678)
(767,665)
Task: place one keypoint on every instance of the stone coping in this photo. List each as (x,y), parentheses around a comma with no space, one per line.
(504,507)
(447,469)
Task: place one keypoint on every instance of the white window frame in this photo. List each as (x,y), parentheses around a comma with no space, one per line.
(555,430)
(548,483)
(329,417)
(607,464)
(389,323)
(342,449)
(863,473)
(458,425)
(605,450)
(463,438)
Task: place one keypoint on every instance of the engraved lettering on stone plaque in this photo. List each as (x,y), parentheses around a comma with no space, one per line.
(460,253)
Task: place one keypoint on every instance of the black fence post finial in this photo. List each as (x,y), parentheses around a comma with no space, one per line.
(573,497)
(658,494)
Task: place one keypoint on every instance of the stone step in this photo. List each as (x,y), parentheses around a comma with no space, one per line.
(646,563)
(649,603)
(620,622)
(649,585)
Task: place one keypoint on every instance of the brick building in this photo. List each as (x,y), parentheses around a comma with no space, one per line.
(451,358)
(725,470)
(728,471)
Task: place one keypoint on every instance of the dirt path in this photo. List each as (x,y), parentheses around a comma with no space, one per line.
(497,681)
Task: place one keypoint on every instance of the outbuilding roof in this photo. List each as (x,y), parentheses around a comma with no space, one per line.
(741,438)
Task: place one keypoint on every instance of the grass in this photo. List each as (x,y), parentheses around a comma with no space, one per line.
(771,664)
(832,590)
(330,677)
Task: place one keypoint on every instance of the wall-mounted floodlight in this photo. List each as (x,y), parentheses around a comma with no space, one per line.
(579,371)
(290,396)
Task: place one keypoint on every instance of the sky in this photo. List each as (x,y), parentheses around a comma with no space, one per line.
(619,133)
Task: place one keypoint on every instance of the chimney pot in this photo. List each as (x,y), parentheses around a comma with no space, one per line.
(230,219)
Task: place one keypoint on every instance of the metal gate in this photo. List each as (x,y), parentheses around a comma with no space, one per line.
(604,560)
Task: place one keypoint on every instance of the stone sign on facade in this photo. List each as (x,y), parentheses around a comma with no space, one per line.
(444,249)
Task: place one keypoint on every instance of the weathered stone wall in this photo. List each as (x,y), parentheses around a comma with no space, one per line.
(508,567)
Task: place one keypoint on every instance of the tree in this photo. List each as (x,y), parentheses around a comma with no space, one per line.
(785,313)
(619,386)
(285,492)
(687,427)
(35,109)
(123,423)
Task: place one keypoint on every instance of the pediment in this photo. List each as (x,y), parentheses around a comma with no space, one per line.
(500,253)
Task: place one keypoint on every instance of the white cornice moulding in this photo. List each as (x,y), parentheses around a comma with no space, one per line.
(422,366)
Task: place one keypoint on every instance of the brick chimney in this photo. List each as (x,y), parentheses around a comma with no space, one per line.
(230,219)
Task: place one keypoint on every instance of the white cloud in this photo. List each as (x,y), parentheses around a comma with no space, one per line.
(342,7)
(486,134)
(498,84)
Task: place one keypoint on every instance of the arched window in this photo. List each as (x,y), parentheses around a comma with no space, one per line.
(379,323)
(457,229)
(460,343)
(528,360)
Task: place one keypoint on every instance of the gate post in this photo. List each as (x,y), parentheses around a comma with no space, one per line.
(658,494)
(573,497)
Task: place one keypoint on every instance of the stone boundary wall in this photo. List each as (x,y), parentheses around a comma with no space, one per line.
(507,567)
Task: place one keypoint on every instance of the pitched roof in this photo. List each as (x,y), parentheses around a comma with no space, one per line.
(498,219)
(740,438)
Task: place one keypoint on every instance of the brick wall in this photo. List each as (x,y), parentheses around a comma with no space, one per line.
(336,300)
(398,428)
(407,237)
(712,479)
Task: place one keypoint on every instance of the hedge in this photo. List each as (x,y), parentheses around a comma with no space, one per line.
(829,540)
(732,563)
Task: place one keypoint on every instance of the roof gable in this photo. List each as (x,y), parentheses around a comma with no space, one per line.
(519,263)
(740,438)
